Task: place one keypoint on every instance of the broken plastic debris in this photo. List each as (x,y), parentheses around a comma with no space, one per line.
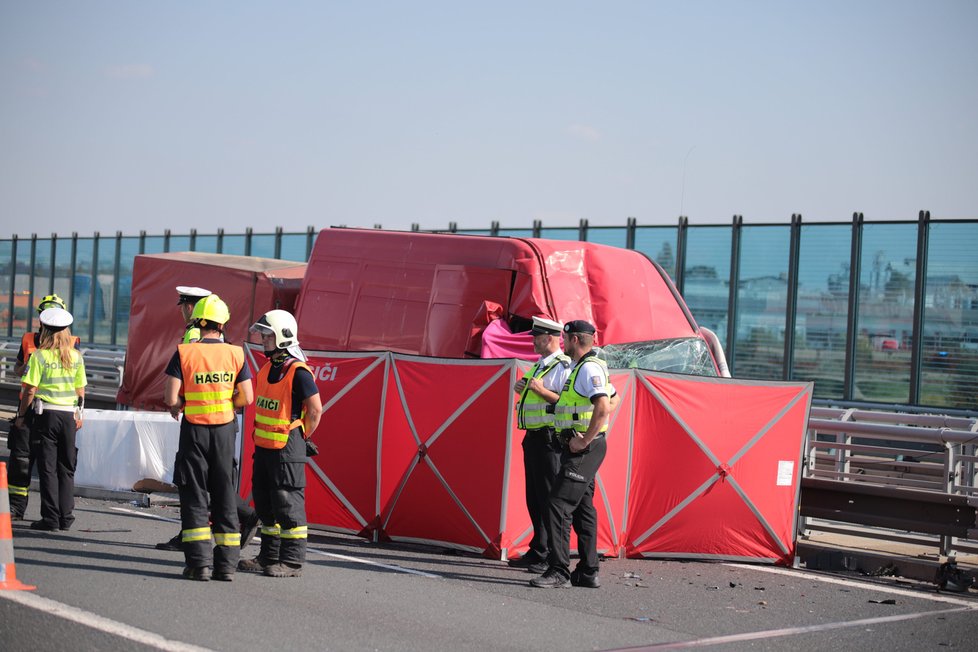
(631,576)
(887,601)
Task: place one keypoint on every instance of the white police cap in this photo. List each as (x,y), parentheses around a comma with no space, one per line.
(542,325)
(56,318)
(190,294)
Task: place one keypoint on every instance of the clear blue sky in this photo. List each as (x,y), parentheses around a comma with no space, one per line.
(153,115)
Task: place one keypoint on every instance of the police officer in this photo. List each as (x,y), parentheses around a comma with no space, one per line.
(581,419)
(287,412)
(54,387)
(21,459)
(207,380)
(189,296)
(539,390)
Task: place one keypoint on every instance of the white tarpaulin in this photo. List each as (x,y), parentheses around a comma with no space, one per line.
(118,448)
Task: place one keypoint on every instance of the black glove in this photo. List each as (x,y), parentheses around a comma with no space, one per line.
(311,449)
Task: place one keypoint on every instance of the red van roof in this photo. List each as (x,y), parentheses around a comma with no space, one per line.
(428,294)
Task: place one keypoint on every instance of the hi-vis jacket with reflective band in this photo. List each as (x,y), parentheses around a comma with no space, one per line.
(532,412)
(573,411)
(191,335)
(209,371)
(54,383)
(273,407)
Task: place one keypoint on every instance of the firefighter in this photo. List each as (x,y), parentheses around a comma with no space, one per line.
(207,381)
(248,519)
(189,296)
(54,387)
(287,412)
(539,390)
(581,419)
(21,459)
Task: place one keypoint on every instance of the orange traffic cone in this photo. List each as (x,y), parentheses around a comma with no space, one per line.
(8,574)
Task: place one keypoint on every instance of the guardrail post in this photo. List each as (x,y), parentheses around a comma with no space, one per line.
(951,468)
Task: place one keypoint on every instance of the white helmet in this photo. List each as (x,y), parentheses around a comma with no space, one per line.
(283,326)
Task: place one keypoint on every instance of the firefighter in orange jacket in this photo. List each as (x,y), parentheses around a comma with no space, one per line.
(21,459)
(207,380)
(287,411)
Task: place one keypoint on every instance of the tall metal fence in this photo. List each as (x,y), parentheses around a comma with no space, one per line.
(875,313)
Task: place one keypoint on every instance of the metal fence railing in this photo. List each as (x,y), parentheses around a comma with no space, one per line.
(874,313)
(911,478)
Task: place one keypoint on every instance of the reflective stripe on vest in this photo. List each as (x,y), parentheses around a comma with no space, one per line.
(209,371)
(532,410)
(573,411)
(57,384)
(273,407)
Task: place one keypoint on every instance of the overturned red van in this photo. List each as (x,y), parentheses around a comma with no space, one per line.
(455,296)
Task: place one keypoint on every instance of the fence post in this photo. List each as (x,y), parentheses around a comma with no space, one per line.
(13,285)
(30,284)
(791,302)
(682,231)
(582,230)
(855,264)
(919,291)
(114,321)
(732,295)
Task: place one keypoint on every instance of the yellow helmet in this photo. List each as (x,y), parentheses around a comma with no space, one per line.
(50,301)
(211,309)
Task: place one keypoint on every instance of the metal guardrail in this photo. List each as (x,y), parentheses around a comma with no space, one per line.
(910,478)
(103,368)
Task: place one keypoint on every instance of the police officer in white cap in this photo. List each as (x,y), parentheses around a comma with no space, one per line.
(582,416)
(189,296)
(539,390)
(54,387)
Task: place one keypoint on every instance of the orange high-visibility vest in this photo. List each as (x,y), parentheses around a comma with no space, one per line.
(27,344)
(273,407)
(209,371)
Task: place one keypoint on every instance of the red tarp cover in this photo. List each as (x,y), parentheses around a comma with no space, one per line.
(423,293)
(696,467)
(250,286)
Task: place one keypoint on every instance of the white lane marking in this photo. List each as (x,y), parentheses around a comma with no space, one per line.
(792,631)
(100,623)
(357,560)
(936,597)
(145,515)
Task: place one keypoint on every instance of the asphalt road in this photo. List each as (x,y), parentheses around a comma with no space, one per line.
(103,586)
